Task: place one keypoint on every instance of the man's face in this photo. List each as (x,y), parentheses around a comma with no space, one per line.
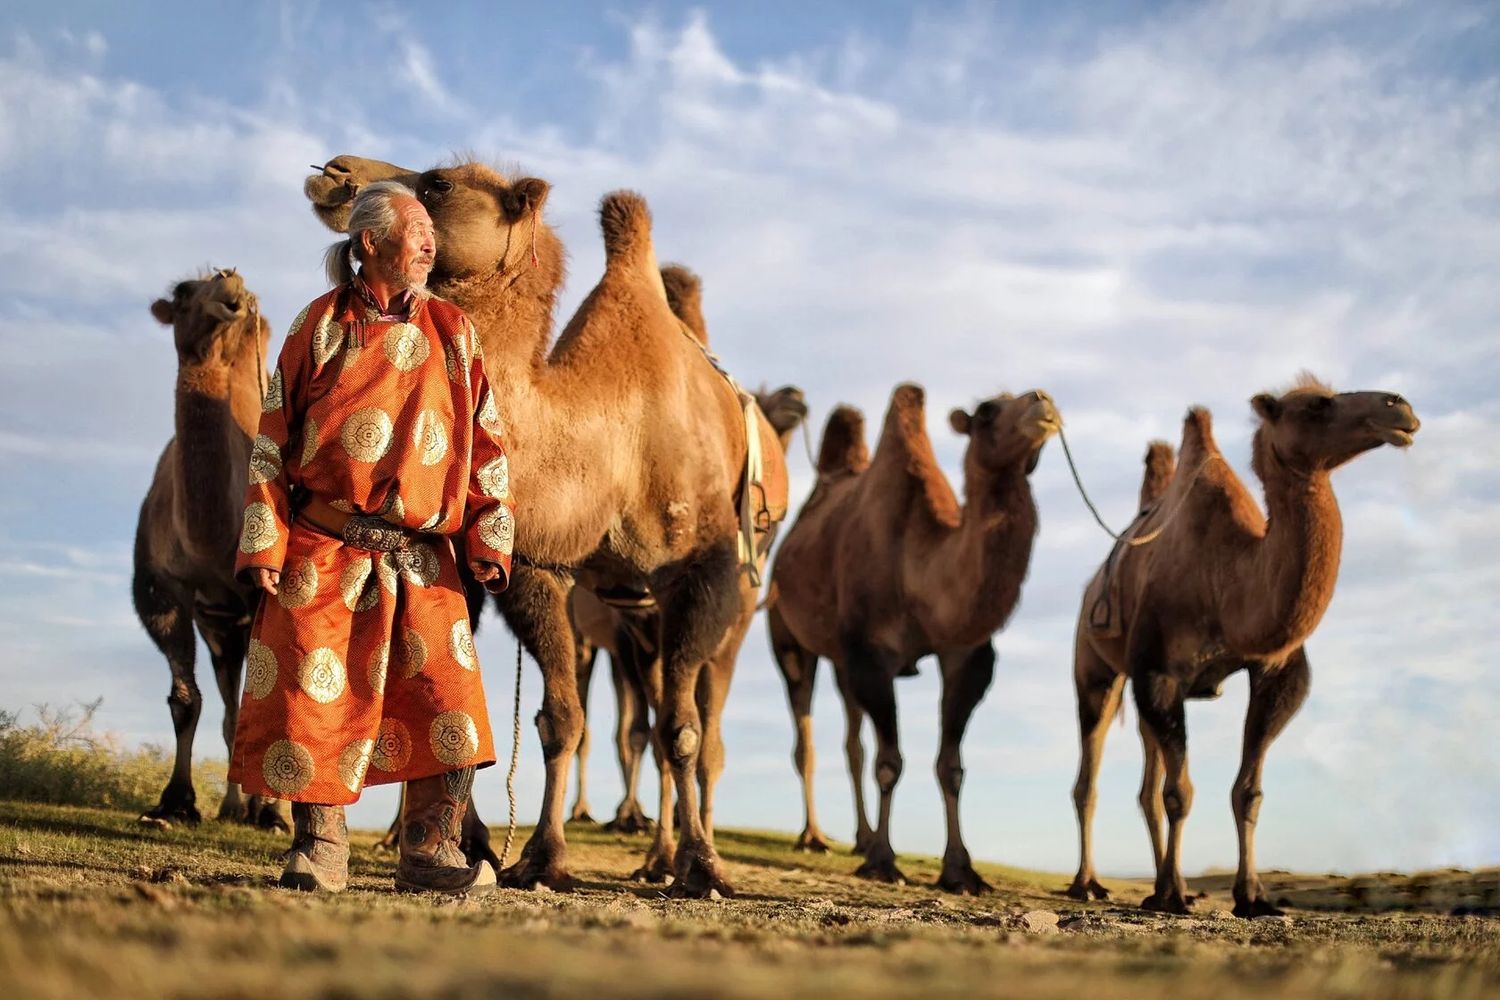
(406,257)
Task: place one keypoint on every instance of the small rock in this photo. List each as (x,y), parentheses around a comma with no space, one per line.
(1220,914)
(1272,918)
(714,894)
(1040,921)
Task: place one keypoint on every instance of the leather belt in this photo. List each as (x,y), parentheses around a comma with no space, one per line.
(363,531)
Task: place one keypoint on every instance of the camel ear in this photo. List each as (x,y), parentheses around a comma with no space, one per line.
(162,310)
(1268,406)
(960,421)
(527,195)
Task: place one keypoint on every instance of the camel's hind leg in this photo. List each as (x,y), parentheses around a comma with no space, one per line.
(966,677)
(585,655)
(170,625)
(799,671)
(1275,696)
(713,691)
(854,755)
(1152,809)
(535,606)
(1100,692)
(1159,698)
(873,674)
(698,608)
(644,665)
(632,736)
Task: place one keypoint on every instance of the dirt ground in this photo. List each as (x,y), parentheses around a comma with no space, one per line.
(91,904)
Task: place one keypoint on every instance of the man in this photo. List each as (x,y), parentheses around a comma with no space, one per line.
(379,439)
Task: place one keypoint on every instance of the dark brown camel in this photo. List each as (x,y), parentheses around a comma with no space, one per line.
(1212,586)
(883,567)
(629,450)
(189,523)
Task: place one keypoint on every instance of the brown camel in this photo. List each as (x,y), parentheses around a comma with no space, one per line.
(189,523)
(630,449)
(1206,585)
(883,567)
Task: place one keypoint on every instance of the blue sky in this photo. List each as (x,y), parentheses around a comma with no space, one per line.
(1135,206)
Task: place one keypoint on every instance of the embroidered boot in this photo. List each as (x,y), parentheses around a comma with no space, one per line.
(319,858)
(432,814)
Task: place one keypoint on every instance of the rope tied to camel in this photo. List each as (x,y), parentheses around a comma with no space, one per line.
(1123,536)
(515,759)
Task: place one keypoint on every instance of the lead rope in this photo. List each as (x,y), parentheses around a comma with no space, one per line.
(515,758)
(1119,536)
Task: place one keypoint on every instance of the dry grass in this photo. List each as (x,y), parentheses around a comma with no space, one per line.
(61,759)
(93,904)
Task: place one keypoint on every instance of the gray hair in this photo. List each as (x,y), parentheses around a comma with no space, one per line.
(373,213)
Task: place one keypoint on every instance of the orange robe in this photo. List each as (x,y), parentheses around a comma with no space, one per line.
(362,669)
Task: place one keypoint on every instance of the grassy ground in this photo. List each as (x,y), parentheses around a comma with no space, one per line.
(93,904)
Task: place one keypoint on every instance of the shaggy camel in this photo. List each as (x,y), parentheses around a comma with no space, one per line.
(883,567)
(630,449)
(1206,585)
(189,524)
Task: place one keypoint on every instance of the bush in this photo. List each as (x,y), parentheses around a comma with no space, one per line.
(61,760)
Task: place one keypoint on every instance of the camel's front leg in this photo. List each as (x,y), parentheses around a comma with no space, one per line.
(1159,700)
(1275,696)
(873,675)
(535,606)
(966,677)
(632,735)
(713,691)
(646,667)
(698,608)
(799,673)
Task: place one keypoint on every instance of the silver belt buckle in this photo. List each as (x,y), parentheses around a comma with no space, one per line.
(374,534)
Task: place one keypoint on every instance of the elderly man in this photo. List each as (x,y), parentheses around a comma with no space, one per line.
(379,440)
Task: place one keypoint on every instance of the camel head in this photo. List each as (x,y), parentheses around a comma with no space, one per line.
(332,189)
(784,408)
(212,318)
(1008,430)
(1310,428)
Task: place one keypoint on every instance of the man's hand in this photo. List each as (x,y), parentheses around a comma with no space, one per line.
(484,572)
(267,579)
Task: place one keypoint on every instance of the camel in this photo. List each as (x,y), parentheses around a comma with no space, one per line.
(883,567)
(630,450)
(189,523)
(1204,585)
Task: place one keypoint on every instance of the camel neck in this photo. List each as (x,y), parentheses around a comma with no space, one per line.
(1292,570)
(211,451)
(991,548)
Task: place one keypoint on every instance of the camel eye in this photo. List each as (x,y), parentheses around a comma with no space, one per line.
(436,186)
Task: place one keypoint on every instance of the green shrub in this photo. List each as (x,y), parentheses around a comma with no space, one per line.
(61,759)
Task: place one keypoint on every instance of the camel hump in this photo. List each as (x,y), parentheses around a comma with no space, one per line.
(1197,435)
(626,221)
(685,297)
(1160,464)
(843,449)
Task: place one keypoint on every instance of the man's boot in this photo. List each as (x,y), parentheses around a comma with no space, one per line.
(432,814)
(319,858)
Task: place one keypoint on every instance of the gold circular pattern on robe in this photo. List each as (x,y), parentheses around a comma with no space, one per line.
(456,359)
(494,477)
(411,653)
(297,323)
(435,521)
(288,767)
(321,675)
(299,585)
(430,437)
(274,397)
(354,762)
(259,530)
(387,570)
(497,529)
(392,746)
(454,738)
(489,415)
(327,339)
(309,441)
(406,346)
(367,434)
(380,660)
(352,585)
(461,645)
(419,564)
(265,460)
(261,668)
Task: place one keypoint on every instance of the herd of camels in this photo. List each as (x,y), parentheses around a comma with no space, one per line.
(632,448)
